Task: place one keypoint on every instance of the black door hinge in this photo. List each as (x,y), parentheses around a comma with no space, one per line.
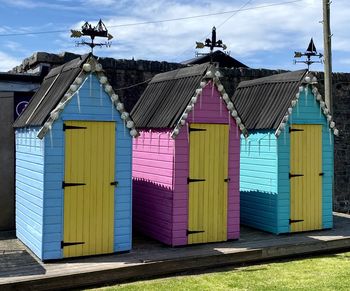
(64,184)
(196,129)
(295,220)
(114,183)
(189,180)
(188,232)
(72,127)
(295,175)
(295,129)
(227,180)
(66,244)
(321,174)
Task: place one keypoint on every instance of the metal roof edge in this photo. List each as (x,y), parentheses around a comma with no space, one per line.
(308,80)
(274,79)
(89,65)
(212,74)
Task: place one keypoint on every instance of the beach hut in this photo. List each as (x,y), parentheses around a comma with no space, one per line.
(186,160)
(287,160)
(73,165)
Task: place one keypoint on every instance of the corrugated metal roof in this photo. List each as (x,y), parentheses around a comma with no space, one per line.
(51,91)
(167,96)
(263,102)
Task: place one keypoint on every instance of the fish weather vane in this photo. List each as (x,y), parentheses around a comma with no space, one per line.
(310,52)
(99,30)
(211,43)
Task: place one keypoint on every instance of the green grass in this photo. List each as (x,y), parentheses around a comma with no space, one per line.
(331,272)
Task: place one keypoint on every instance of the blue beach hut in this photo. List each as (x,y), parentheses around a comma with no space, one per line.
(73,165)
(286,163)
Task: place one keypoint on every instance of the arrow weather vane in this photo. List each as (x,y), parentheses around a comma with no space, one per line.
(99,30)
(310,52)
(211,43)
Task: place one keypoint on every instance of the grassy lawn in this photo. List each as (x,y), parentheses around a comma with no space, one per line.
(329,272)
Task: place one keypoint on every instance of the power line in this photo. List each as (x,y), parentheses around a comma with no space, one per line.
(163,20)
(222,23)
(134,85)
(233,14)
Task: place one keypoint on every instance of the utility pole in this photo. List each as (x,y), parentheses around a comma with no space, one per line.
(327,55)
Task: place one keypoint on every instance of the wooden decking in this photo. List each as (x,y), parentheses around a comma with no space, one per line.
(20,269)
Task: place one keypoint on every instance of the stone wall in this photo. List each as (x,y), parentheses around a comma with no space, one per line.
(122,74)
(125,74)
(341,113)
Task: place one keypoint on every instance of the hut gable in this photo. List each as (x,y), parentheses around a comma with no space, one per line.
(62,84)
(170,97)
(267,103)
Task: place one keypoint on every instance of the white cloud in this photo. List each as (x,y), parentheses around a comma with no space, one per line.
(105,2)
(250,34)
(8,62)
(267,29)
(15,47)
(31,4)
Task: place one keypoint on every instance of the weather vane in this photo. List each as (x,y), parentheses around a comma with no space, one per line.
(211,43)
(310,52)
(99,30)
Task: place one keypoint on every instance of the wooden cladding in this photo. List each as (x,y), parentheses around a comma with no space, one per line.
(306,186)
(208,197)
(89,206)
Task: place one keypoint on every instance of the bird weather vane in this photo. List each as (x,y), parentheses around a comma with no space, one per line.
(99,30)
(310,52)
(211,43)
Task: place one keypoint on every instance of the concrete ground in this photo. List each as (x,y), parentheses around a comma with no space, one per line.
(19,269)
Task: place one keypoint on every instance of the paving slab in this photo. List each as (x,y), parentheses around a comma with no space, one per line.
(20,269)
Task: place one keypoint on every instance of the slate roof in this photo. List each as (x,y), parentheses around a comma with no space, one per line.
(262,103)
(220,57)
(166,97)
(51,91)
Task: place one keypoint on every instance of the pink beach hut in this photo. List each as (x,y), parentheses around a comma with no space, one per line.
(186,160)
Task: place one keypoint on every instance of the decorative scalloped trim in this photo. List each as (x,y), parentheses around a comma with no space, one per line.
(91,66)
(309,80)
(212,75)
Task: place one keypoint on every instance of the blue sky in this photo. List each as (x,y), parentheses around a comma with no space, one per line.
(261,38)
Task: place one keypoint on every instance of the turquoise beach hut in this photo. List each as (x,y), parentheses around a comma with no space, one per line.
(287,160)
(73,165)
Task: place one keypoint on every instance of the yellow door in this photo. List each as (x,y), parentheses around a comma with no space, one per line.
(305,177)
(88,193)
(208,173)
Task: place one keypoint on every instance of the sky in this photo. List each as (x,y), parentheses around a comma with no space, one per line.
(261,34)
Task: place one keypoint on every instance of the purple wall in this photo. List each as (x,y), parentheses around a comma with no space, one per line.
(207,111)
(153,184)
(160,171)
